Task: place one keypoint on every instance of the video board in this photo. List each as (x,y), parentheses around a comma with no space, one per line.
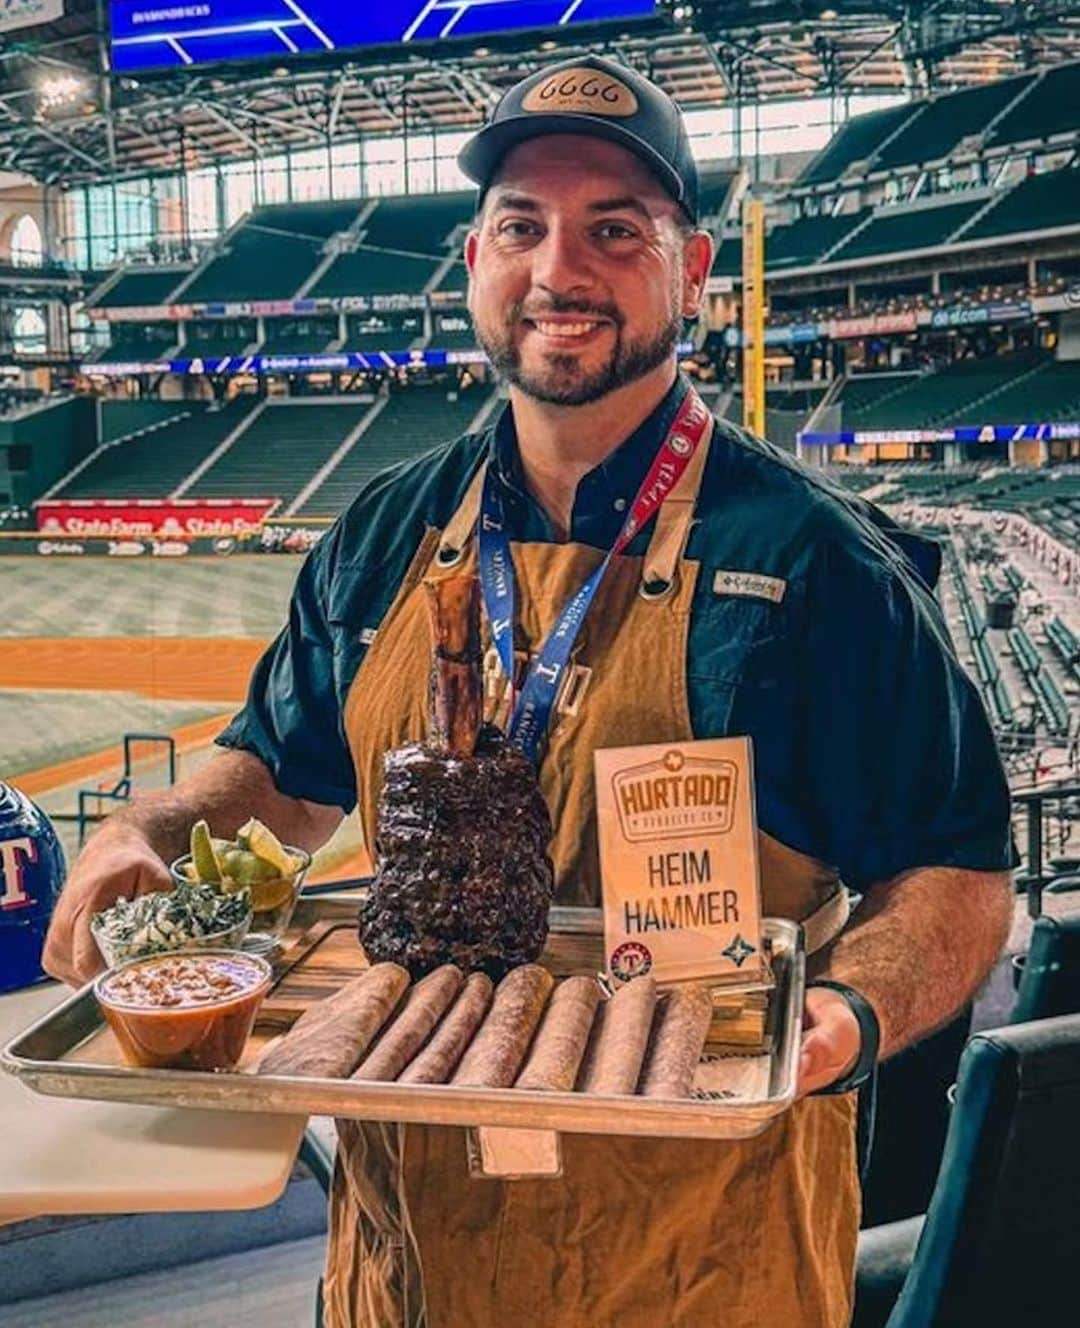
(172,34)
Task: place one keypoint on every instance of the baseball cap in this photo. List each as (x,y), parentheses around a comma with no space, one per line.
(595,96)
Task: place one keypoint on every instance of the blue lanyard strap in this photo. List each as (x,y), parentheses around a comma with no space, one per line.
(531,710)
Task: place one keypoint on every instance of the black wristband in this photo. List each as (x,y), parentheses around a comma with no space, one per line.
(869,1039)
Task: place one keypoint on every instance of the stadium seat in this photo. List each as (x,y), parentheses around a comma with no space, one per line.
(1037,203)
(1050,974)
(999,1244)
(280,452)
(945,121)
(411,422)
(907,228)
(1051,107)
(419,223)
(156,461)
(376,272)
(140,287)
(857,141)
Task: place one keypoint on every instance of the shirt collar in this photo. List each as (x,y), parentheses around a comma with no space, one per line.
(605,493)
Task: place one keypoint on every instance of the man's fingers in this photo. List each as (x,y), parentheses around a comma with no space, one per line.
(86,961)
(71,953)
(831,1040)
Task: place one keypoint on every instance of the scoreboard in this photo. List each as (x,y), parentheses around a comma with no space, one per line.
(172,34)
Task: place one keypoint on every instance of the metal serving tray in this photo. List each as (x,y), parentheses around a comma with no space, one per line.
(71,1053)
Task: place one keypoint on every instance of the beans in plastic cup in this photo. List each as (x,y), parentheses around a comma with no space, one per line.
(185,1011)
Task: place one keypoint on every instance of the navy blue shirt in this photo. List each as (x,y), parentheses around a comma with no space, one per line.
(872,748)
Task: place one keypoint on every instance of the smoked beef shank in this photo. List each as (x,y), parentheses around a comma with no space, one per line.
(463,875)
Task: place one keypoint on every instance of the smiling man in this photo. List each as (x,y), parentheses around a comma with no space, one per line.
(763,603)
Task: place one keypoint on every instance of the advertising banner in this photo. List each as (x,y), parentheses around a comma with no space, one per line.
(403,302)
(961,315)
(199,546)
(874,325)
(974,433)
(25,13)
(138,520)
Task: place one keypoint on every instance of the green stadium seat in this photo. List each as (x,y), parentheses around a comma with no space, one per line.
(857,140)
(280,451)
(411,423)
(155,463)
(909,228)
(259,264)
(419,223)
(945,121)
(376,272)
(1038,203)
(141,286)
(1052,107)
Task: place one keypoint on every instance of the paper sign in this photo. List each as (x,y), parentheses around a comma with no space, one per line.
(679,861)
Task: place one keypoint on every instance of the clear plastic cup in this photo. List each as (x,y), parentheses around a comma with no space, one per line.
(273,902)
(119,952)
(187,1011)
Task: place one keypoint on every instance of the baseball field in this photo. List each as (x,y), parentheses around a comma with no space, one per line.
(91,649)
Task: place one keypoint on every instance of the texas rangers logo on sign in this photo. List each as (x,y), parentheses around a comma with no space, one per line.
(15,854)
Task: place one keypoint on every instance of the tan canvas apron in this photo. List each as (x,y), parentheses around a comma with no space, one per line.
(638,1233)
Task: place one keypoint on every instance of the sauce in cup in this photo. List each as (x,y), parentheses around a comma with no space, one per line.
(184,1011)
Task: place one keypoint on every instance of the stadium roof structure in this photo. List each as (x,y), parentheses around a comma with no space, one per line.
(65,120)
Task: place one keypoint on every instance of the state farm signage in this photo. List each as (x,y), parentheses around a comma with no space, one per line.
(143,518)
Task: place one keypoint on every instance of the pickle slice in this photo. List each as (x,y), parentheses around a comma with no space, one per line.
(203,855)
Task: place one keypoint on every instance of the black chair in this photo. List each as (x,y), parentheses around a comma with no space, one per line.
(1000,1244)
(1050,976)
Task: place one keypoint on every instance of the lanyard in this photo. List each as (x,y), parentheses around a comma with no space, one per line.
(531,710)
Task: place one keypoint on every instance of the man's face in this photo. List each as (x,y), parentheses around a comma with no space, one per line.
(579,274)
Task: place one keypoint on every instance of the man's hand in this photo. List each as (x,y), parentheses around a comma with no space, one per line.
(117,861)
(831,1040)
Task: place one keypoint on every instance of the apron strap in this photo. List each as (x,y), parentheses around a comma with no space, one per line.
(827,921)
(674,522)
(459,528)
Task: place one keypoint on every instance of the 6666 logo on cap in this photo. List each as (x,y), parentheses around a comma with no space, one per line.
(584,90)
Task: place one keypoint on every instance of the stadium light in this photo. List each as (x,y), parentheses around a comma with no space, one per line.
(58,90)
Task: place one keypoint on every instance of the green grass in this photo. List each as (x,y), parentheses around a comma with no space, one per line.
(245,596)
(43,728)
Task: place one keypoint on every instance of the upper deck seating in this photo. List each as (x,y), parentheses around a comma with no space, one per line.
(857,140)
(1040,202)
(418,223)
(938,125)
(908,228)
(1052,107)
(142,286)
(259,264)
(375,272)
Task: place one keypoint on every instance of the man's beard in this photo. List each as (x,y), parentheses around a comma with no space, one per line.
(562,382)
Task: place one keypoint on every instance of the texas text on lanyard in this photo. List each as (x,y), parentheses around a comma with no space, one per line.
(532,710)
